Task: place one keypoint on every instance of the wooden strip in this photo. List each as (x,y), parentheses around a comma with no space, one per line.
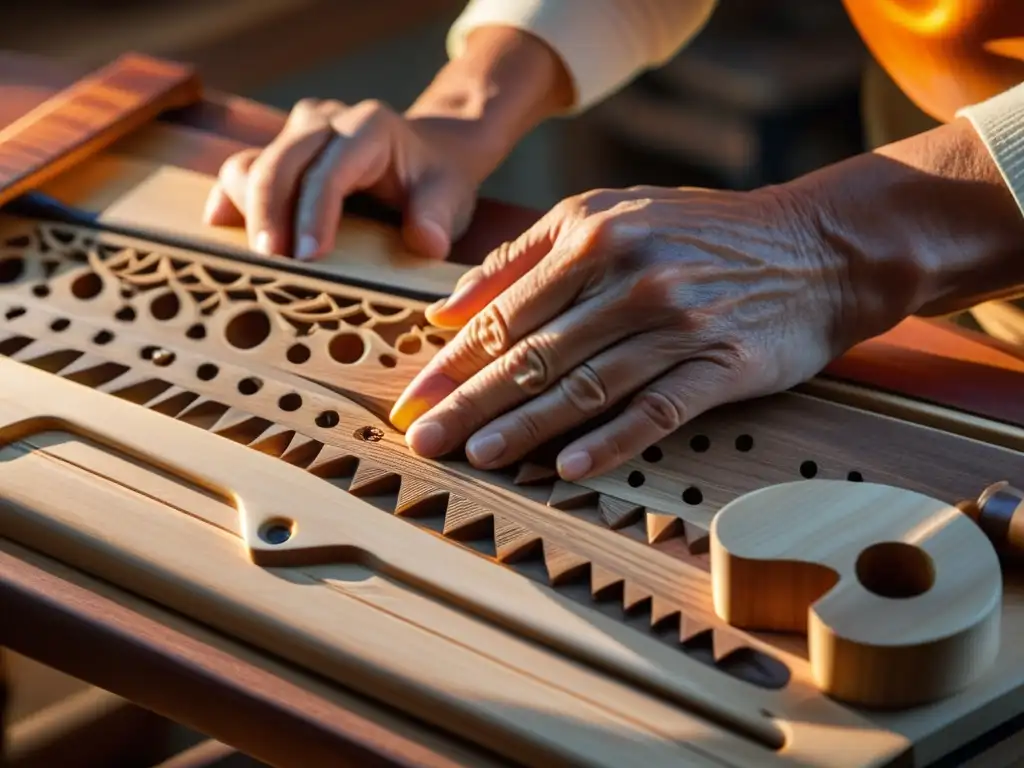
(88,117)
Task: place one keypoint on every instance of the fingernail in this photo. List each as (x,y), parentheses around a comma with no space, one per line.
(307,249)
(575,465)
(262,243)
(484,449)
(425,438)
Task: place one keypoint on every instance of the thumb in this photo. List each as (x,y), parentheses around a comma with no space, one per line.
(499,271)
(437,211)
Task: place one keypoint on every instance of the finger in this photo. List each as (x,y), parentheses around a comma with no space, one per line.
(538,297)
(689,390)
(499,270)
(589,389)
(431,216)
(274,178)
(531,369)
(225,207)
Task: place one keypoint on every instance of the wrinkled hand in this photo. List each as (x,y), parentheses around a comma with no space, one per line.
(290,194)
(668,302)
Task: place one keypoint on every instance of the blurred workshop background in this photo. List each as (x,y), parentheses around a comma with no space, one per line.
(769,90)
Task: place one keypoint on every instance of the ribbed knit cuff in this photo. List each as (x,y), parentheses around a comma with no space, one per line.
(999,122)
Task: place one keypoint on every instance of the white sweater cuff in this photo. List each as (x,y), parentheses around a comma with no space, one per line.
(603,43)
(999,122)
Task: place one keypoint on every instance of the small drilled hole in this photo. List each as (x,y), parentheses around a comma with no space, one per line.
(148,352)
(41,291)
(700,443)
(652,454)
(290,402)
(197,331)
(276,532)
(165,307)
(895,569)
(207,371)
(855,477)
(636,479)
(298,354)
(328,419)
(808,469)
(103,337)
(388,361)
(11,270)
(125,314)
(60,324)
(369,434)
(14,312)
(693,496)
(744,443)
(250,385)
(87,286)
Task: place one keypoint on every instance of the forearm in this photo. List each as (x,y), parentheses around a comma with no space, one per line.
(930,219)
(503,85)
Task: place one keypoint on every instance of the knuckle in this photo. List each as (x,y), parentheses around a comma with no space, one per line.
(463,409)
(487,333)
(526,364)
(657,285)
(527,427)
(585,390)
(499,259)
(660,410)
(305,107)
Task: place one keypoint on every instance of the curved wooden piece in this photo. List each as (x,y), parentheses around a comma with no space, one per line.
(899,593)
(944,54)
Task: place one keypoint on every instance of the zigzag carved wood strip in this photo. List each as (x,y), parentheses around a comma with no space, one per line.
(665,597)
(366,346)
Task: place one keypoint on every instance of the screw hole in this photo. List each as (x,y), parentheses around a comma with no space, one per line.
(125,314)
(388,361)
(290,402)
(196,332)
(103,337)
(41,291)
(636,479)
(744,443)
(207,371)
(700,443)
(14,312)
(250,385)
(693,496)
(369,434)
(328,419)
(163,358)
(60,324)
(653,454)
(276,532)
(855,477)
(808,469)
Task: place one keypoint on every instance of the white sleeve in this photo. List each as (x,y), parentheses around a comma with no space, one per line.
(604,44)
(999,122)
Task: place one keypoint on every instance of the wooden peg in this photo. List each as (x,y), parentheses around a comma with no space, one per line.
(899,593)
(999,512)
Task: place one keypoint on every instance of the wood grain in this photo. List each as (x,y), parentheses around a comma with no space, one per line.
(87,117)
(898,593)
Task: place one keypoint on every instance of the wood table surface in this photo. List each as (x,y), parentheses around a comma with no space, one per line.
(243,698)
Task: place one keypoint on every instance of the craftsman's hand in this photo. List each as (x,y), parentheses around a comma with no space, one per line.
(291,193)
(427,162)
(668,302)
